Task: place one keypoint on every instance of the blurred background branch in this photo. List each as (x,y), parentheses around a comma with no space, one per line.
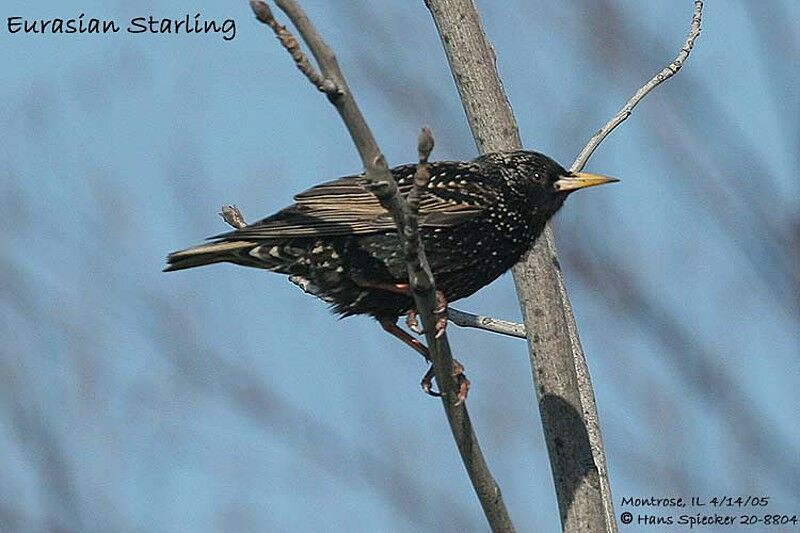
(132,402)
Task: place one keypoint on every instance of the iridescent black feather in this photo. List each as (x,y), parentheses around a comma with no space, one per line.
(476,220)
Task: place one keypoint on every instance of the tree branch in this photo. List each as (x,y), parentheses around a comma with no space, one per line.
(264,14)
(381,183)
(665,74)
(563,386)
(495,325)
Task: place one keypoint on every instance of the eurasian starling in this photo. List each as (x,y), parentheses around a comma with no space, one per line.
(476,219)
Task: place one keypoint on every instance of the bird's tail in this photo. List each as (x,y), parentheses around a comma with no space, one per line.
(208,254)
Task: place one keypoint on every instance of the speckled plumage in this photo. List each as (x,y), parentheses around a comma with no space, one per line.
(476,220)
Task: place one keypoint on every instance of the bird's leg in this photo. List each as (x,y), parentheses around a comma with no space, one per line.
(390,326)
(427,383)
(412,317)
(397,288)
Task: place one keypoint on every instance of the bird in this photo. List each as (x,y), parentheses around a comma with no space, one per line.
(476,219)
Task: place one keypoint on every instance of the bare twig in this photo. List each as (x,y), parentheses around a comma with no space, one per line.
(264,14)
(415,254)
(377,172)
(380,182)
(665,74)
(232,216)
(422,176)
(425,299)
(495,325)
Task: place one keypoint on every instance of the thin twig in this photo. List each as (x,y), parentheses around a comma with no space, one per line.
(379,180)
(495,325)
(264,14)
(232,216)
(665,74)
(420,275)
(422,175)
(415,253)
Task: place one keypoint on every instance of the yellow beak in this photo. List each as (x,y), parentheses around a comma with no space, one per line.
(580,180)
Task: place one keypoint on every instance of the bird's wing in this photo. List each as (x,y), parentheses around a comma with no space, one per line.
(345,207)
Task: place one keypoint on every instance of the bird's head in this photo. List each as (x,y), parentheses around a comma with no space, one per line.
(549,183)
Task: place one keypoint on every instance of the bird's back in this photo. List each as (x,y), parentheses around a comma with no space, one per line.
(476,219)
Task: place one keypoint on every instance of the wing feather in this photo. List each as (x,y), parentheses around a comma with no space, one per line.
(344,207)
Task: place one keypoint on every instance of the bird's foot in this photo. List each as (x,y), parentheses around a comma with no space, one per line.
(412,317)
(441,314)
(462,383)
(412,321)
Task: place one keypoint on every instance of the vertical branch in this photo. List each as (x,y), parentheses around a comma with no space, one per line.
(563,386)
(566,400)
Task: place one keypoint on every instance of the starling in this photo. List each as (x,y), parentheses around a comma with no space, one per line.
(476,219)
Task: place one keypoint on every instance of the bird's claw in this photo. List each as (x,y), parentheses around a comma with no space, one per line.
(462,383)
(412,317)
(412,321)
(427,383)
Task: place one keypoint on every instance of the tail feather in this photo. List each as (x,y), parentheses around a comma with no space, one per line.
(208,254)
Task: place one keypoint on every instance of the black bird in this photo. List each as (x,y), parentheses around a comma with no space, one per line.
(476,219)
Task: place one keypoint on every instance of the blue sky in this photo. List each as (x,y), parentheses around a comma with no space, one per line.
(223,399)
